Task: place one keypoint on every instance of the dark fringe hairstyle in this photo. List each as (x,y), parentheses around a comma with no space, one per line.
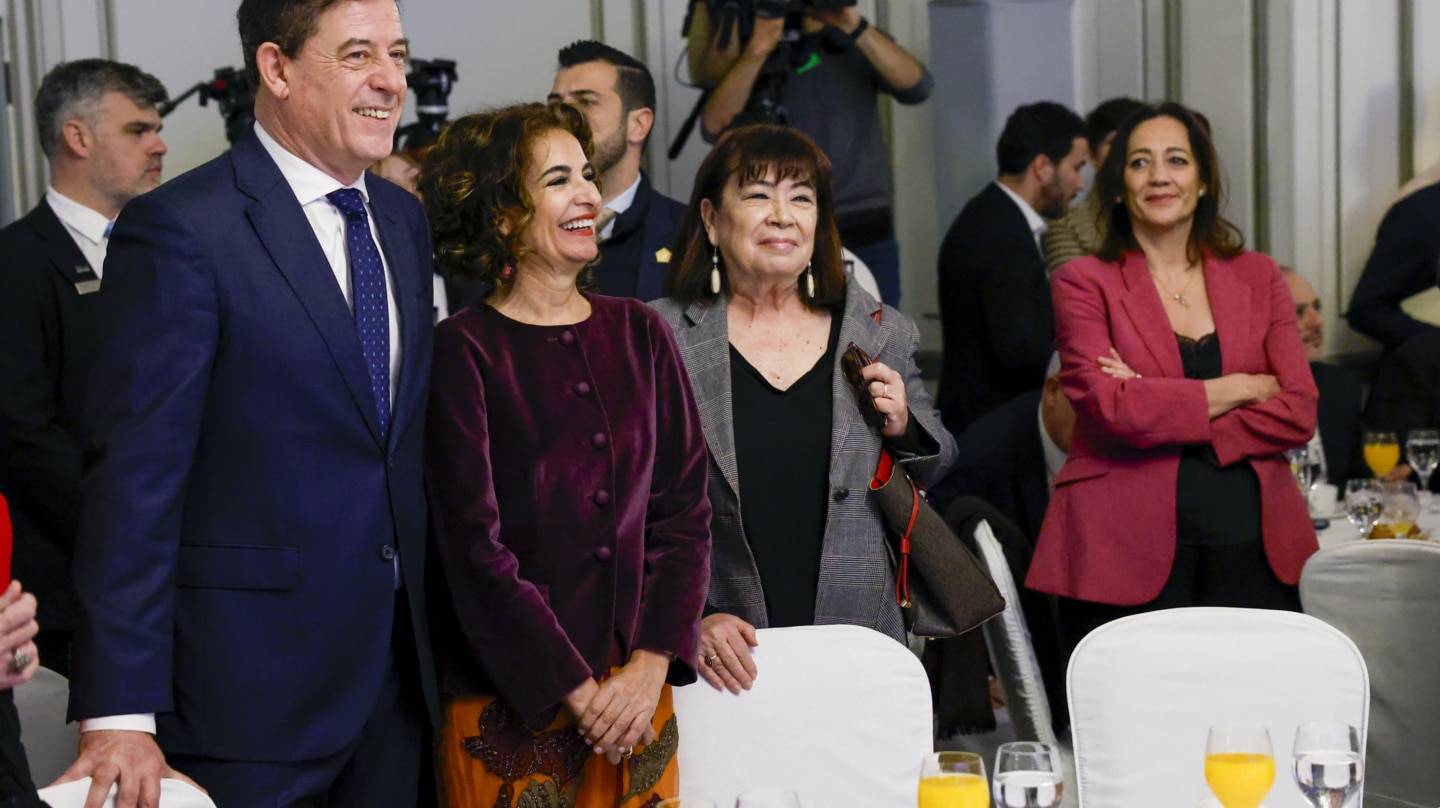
(747,154)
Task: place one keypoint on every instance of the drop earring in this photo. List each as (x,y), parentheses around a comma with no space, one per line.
(1202,192)
(714,270)
(809,281)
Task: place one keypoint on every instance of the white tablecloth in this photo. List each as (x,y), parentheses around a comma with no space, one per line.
(1341,530)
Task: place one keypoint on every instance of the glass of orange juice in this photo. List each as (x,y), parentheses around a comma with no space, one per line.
(1239,765)
(953,780)
(1382,452)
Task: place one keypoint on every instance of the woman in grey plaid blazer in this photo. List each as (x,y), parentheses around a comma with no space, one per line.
(762,310)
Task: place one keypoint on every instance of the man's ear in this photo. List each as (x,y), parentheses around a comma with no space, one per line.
(274,68)
(77,137)
(638,125)
(1043,169)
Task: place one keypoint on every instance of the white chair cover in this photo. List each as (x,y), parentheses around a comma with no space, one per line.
(49,742)
(1385,595)
(173,794)
(1012,657)
(840,714)
(1145,689)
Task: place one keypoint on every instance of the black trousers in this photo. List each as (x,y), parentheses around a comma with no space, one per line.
(16,789)
(1235,575)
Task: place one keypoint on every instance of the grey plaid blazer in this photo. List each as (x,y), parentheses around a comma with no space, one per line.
(857,579)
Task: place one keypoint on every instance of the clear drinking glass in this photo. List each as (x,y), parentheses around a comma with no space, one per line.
(1422,451)
(953,780)
(768,798)
(1239,766)
(1328,766)
(1299,458)
(1028,775)
(1362,504)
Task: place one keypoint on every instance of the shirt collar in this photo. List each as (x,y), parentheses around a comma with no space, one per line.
(309,183)
(88,222)
(1054,456)
(626,198)
(1037,223)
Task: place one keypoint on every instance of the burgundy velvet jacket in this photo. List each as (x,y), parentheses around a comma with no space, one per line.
(1109,533)
(566,471)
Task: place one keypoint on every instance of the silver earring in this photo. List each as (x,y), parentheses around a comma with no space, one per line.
(809,281)
(714,270)
(1202,192)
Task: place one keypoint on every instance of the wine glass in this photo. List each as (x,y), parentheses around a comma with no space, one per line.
(1422,451)
(1382,452)
(1239,766)
(768,798)
(1299,458)
(1363,504)
(1028,775)
(953,780)
(1328,766)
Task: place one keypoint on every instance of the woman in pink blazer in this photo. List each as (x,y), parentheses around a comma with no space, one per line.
(1180,352)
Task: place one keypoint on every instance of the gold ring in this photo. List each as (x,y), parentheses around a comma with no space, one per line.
(626,753)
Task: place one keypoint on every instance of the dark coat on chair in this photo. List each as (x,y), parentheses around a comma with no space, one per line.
(241,508)
(634,260)
(48,308)
(1001,460)
(995,309)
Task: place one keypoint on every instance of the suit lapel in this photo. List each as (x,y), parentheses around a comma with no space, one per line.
(286,234)
(858,326)
(409,299)
(705,348)
(1147,313)
(1232,320)
(62,252)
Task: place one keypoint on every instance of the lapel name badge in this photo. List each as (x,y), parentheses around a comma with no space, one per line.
(86,287)
(84,269)
(662,256)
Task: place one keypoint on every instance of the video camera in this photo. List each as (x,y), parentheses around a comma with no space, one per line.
(431,81)
(232,92)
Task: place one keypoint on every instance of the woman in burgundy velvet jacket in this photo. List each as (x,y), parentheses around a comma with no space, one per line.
(1180,353)
(566,471)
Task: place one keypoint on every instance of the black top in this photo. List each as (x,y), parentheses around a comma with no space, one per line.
(782,457)
(1213,505)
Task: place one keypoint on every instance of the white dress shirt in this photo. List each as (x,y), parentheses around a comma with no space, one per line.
(85,225)
(310,185)
(620,204)
(1037,223)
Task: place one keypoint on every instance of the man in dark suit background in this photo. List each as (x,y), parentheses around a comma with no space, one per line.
(251,555)
(616,93)
(100,131)
(1403,263)
(995,308)
(1342,391)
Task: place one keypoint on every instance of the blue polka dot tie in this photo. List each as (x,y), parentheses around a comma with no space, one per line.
(367,284)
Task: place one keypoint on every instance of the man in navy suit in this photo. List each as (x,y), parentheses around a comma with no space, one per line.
(251,556)
(995,309)
(99,128)
(616,93)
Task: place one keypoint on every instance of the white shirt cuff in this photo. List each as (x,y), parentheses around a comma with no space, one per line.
(139,722)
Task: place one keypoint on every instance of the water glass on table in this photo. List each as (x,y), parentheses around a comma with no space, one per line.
(1363,504)
(1028,775)
(1422,451)
(1328,766)
(1239,764)
(1382,452)
(768,798)
(953,780)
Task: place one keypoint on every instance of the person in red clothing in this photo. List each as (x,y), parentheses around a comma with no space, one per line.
(18,662)
(1181,354)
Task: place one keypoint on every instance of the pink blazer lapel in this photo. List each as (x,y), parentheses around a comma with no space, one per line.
(1230,306)
(1147,313)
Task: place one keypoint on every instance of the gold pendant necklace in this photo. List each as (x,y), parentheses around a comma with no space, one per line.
(1178,297)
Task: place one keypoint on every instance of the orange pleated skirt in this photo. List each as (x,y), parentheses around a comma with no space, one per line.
(490,760)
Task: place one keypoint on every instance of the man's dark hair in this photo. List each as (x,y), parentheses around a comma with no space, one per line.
(74,89)
(635,85)
(1107,117)
(1042,128)
(287,23)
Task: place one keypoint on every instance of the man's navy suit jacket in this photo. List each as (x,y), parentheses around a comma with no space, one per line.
(240,508)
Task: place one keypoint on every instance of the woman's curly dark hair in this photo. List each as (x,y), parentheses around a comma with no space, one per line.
(473,184)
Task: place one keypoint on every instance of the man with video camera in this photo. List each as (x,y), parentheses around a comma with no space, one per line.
(819,66)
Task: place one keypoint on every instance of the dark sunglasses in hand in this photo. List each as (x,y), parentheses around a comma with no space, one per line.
(851,362)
